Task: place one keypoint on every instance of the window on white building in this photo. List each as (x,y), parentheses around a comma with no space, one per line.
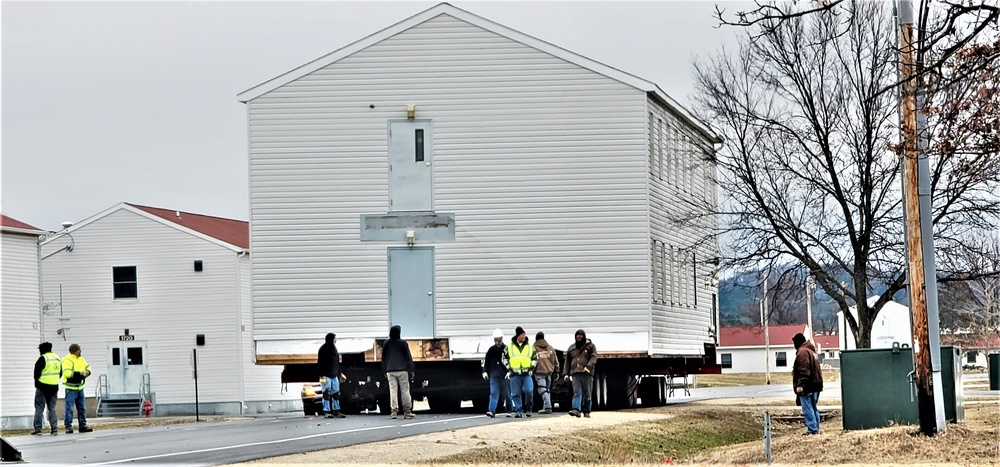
(970,357)
(727,360)
(780,359)
(125,282)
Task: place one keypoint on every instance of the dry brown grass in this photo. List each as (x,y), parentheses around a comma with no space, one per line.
(710,432)
(975,442)
(754,379)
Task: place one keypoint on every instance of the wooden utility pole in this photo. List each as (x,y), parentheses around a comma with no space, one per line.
(930,422)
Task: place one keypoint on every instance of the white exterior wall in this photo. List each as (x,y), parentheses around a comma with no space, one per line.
(751,359)
(680,180)
(19,307)
(174,304)
(543,163)
(891,325)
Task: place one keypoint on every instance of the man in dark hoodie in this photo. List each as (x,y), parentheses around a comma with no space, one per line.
(48,367)
(580,361)
(328,363)
(548,364)
(807,378)
(495,371)
(397,363)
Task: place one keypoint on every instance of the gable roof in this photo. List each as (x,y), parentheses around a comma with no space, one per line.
(650,88)
(736,336)
(229,233)
(9,224)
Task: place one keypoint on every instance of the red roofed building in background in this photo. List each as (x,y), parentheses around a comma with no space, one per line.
(742,349)
(141,288)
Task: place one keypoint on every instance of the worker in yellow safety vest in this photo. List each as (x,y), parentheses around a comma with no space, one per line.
(75,371)
(521,361)
(47,370)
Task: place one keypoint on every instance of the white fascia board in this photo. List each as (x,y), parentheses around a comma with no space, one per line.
(444,8)
(16,230)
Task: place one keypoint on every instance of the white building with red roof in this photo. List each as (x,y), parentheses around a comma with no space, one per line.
(747,349)
(145,289)
(19,320)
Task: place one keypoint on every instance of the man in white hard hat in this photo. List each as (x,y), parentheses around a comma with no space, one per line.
(495,371)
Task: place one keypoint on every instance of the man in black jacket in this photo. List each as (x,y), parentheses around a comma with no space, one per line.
(328,363)
(48,367)
(397,363)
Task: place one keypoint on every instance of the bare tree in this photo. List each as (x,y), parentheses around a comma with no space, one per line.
(810,167)
(971,308)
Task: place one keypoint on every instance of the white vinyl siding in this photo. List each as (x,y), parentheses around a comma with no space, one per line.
(680,323)
(174,304)
(19,304)
(543,163)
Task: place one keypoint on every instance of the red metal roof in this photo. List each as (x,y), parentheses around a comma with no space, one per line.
(739,336)
(231,231)
(972,340)
(16,224)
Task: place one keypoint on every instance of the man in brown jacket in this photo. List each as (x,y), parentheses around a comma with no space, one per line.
(807,378)
(581,360)
(548,364)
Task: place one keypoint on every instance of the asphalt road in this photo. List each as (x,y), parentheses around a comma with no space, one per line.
(231,441)
(214,443)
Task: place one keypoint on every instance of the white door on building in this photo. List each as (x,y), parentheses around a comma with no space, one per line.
(126,366)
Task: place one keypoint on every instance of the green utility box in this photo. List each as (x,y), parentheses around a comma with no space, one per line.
(951,379)
(875,388)
(994,361)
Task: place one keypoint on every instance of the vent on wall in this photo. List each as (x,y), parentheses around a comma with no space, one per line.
(198,267)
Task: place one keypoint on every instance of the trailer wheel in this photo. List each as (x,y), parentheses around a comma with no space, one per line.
(619,391)
(651,391)
(481,404)
(444,404)
(383,405)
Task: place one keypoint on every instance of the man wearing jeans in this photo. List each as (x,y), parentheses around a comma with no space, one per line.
(521,361)
(328,364)
(581,358)
(75,371)
(48,368)
(397,363)
(807,378)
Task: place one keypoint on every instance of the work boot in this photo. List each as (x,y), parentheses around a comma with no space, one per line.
(392,415)
(491,414)
(408,415)
(69,431)
(574,413)
(527,413)
(586,415)
(36,432)
(55,431)
(545,411)
(86,429)
(337,414)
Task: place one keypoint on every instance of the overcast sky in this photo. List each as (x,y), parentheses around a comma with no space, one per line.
(108,102)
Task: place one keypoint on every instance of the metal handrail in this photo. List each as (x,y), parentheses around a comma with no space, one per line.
(102,391)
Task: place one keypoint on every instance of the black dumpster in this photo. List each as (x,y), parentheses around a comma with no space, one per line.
(951,379)
(994,371)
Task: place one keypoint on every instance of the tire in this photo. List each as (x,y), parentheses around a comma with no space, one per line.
(651,391)
(383,405)
(481,404)
(620,391)
(444,404)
